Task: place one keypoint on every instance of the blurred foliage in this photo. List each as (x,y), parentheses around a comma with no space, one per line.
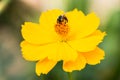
(79,4)
(17,12)
(3,5)
(14,67)
(111,46)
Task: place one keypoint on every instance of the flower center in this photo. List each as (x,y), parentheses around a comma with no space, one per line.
(61,27)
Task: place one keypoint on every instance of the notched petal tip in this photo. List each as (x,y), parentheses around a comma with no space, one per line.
(75,9)
(94,57)
(78,12)
(38,74)
(44,66)
(105,34)
(88,43)
(92,14)
(78,64)
(50,16)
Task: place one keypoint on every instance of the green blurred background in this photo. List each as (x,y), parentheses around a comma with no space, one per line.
(13,13)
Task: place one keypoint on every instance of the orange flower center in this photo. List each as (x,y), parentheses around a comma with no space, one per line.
(61,27)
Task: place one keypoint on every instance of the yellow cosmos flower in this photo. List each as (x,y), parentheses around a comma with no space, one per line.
(71,37)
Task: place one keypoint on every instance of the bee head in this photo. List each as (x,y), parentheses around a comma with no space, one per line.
(62,19)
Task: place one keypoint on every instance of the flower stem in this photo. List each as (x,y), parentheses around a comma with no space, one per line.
(43,77)
(70,76)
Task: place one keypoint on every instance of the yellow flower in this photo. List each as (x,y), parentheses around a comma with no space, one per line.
(71,37)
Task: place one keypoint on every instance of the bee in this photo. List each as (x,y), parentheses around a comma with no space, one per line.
(62,19)
(62,27)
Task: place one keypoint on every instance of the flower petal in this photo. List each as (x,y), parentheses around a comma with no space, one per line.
(33,33)
(34,52)
(81,25)
(78,64)
(94,57)
(44,66)
(88,43)
(48,19)
(66,52)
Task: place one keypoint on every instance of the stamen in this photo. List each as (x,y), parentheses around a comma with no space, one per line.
(62,29)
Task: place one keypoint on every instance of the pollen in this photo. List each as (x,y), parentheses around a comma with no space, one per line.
(62,27)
